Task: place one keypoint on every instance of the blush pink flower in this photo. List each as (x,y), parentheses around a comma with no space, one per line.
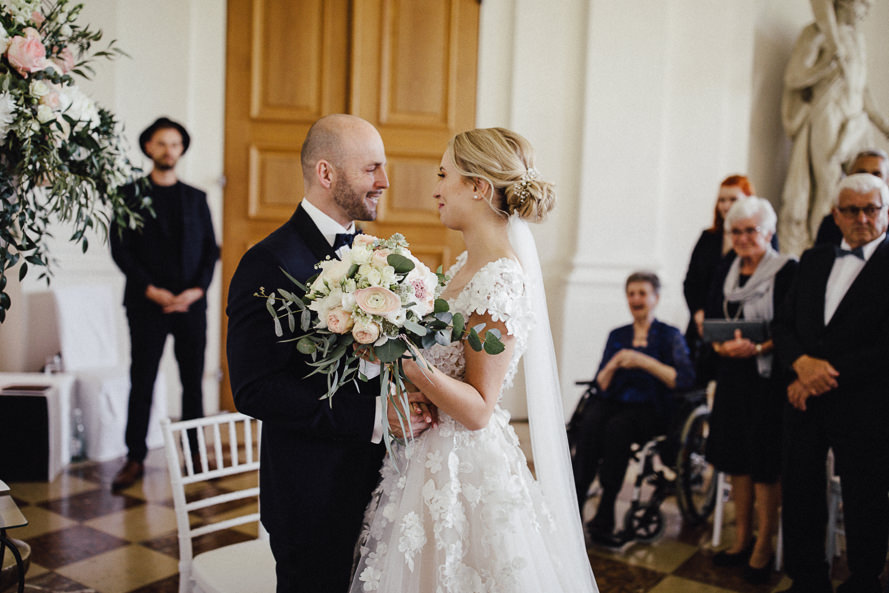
(64,60)
(339,321)
(380,257)
(38,18)
(27,54)
(377,300)
(364,240)
(366,332)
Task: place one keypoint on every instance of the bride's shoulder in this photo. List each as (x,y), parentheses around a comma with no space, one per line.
(498,288)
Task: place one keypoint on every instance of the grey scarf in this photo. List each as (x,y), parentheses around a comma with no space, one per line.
(756,296)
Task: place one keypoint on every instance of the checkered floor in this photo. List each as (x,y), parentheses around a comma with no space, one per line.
(85,539)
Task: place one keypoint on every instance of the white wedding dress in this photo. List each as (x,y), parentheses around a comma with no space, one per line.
(458,511)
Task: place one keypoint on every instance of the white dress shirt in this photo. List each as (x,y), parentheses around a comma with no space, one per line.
(330,229)
(843,273)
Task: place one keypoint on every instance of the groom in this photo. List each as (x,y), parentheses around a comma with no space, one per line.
(319,462)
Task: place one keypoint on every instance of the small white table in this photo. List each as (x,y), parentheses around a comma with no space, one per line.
(58,404)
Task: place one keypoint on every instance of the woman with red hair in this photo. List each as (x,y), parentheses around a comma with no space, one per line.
(711,247)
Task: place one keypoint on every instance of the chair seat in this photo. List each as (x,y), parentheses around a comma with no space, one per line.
(223,570)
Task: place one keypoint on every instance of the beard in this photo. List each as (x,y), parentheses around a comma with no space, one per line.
(352,201)
(163,164)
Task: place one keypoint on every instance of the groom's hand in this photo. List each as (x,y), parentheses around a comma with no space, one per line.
(421,412)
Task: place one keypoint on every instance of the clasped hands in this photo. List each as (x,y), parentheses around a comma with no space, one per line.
(421,414)
(814,376)
(173,303)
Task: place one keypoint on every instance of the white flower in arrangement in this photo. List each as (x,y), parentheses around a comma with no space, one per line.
(79,107)
(4,39)
(7,114)
(21,10)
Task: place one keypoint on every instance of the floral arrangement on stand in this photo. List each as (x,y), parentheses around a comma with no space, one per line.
(377,302)
(62,156)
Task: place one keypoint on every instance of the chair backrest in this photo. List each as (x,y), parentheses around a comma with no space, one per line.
(199,453)
(87,326)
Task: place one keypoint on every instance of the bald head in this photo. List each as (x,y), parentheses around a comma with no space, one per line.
(344,167)
(333,138)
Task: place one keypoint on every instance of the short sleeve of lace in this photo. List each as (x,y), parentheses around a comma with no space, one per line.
(498,289)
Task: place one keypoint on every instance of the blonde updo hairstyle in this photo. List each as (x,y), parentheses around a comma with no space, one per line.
(506,161)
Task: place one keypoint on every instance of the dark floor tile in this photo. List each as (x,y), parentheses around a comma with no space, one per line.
(54,582)
(168,585)
(614,576)
(700,568)
(101,472)
(169,544)
(91,504)
(58,548)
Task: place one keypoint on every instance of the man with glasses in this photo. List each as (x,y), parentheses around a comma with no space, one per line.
(873,161)
(833,333)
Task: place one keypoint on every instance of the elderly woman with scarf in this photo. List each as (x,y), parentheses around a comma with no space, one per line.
(745,426)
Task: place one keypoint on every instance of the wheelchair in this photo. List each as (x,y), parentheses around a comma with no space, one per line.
(668,464)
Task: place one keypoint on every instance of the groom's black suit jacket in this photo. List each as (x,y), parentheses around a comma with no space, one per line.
(855,341)
(318,466)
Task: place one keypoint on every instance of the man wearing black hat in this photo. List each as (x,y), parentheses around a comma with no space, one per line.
(168,264)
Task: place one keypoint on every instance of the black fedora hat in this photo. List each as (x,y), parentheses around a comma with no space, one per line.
(160,124)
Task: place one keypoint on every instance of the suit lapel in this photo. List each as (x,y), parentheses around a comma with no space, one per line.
(313,238)
(864,283)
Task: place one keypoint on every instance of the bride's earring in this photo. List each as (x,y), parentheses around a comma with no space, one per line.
(474,196)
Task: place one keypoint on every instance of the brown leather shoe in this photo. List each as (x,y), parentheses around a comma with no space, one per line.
(127,476)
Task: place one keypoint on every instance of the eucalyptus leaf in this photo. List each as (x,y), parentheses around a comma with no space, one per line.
(306,346)
(493,345)
(473,340)
(390,351)
(414,327)
(440,306)
(401,264)
(459,325)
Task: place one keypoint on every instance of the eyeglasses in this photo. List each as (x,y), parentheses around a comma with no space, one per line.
(870,210)
(749,231)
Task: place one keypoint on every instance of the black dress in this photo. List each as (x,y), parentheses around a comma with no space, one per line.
(746,422)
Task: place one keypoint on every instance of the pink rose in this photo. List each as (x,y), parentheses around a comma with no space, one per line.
(366,332)
(27,54)
(339,321)
(364,240)
(38,18)
(380,257)
(64,60)
(377,300)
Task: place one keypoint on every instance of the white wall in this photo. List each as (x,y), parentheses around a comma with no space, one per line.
(637,110)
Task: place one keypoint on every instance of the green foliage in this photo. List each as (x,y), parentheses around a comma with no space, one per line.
(62,157)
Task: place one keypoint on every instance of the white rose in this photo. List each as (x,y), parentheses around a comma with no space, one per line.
(388,276)
(45,114)
(4,40)
(360,254)
(7,114)
(38,88)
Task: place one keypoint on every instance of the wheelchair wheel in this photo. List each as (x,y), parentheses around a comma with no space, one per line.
(644,523)
(696,478)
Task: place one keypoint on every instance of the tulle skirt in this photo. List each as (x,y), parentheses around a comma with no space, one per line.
(458,511)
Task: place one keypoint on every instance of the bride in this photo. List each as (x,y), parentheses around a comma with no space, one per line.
(458,511)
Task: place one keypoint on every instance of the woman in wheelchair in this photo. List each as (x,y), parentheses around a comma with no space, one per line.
(642,365)
(745,425)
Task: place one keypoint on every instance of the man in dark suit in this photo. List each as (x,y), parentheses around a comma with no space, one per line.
(873,161)
(168,264)
(833,332)
(320,462)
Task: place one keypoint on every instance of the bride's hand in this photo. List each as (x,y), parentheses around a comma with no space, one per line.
(422,413)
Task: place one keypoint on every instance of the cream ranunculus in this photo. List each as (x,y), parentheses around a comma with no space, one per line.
(365,331)
(377,300)
(339,321)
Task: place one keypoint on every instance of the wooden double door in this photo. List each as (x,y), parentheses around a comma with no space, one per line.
(407,66)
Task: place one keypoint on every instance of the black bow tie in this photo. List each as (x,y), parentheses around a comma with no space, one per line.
(342,240)
(857,252)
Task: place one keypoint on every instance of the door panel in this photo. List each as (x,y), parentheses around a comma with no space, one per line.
(408,67)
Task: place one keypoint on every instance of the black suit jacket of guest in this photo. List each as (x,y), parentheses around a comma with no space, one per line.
(855,341)
(318,465)
(146,256)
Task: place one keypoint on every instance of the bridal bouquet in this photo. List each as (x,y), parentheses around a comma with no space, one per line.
(378,302)
(62,157)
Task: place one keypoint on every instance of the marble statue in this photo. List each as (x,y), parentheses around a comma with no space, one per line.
(828,112)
